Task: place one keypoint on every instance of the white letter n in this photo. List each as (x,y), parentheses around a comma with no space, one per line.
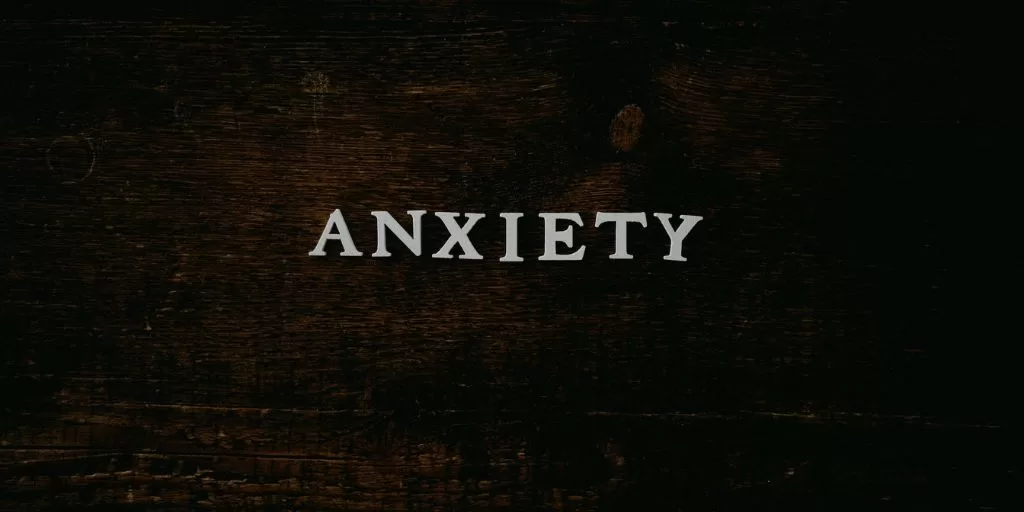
(385,223)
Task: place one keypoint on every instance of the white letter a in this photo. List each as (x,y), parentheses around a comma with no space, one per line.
(336,220)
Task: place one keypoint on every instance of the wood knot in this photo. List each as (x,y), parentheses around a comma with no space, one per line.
(73,157)
(625,128)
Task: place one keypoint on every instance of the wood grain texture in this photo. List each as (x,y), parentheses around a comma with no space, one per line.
(169,345)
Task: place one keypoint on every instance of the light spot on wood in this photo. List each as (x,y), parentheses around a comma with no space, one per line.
(625,128)
(316,82)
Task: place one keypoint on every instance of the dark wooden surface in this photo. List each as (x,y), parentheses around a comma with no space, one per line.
(169,345)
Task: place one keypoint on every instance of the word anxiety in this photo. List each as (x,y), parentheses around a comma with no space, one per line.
(458,235)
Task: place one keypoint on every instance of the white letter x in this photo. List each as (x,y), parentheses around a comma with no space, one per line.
(458,235)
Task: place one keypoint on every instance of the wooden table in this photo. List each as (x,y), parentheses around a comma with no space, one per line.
(169,344)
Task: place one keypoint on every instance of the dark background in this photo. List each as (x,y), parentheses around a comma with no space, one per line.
(168,344)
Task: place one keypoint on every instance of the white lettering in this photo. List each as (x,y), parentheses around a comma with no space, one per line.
(676,236)
(458,235)
(552,237)
(336,220)
(621,221)
(385,223)
(511,237)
